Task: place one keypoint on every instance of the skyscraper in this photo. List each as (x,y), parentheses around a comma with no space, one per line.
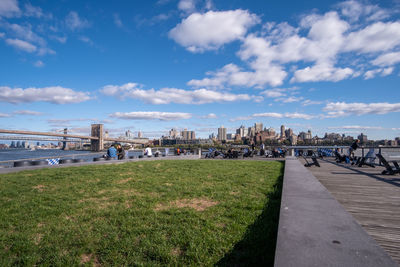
(282,130)
(173,133)
(258,126)
(188,135)
(222,133)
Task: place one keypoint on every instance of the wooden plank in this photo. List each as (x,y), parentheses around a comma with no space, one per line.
(373,199)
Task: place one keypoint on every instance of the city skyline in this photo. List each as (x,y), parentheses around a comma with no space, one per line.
(324,66)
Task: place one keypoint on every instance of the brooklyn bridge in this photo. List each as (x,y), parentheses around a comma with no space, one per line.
(96,138)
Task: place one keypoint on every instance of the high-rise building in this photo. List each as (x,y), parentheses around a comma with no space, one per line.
(188,135)
(139,134)
(242,131)
(222,133)
(288,133)
(258,126)
(283,131)
(362,137)
(129,134)
(173,133)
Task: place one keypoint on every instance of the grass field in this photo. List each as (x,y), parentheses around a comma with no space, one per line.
(149,213)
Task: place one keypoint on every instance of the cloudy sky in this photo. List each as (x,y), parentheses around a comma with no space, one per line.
(327,66)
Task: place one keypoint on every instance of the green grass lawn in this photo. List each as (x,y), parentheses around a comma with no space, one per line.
(148,213)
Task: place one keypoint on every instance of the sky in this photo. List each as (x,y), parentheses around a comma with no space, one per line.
(149,66)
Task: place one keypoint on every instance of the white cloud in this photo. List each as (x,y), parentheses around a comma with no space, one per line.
(321,72)
(209,116)
(211,30)
(117,21)
(61,39)
(151,115)
(74,22)
(9,8)
(32,11)
(353,10)
(357,127)
(28,112)
(273,93)
(327,41)
(25,32)
(55,94)
(173,95)
(4,115)
(22,45)
(26,39)
(187,6)
(309,102)
(289,99)
(276,115)
(341,109)
(378,37)
(39,64)
(383,72)
(2,34)
(387,59)
(86,39)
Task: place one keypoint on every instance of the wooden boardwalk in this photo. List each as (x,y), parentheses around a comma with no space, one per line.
(373,199)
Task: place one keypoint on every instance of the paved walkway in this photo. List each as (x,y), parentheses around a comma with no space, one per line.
(373,199)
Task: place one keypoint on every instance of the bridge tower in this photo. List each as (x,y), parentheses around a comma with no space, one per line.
(97,131)
(65,147)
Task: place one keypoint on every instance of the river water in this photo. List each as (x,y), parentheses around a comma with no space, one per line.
(20,154)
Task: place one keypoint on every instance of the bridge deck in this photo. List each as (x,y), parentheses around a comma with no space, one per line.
(373,199)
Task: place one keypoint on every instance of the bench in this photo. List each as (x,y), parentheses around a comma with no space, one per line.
(309,164)
(389,169)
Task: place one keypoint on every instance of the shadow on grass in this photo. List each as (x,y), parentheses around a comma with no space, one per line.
(257,248)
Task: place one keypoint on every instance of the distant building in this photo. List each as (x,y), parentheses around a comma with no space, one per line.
(129,135)
(188,135)
(258,126)
(173,133)
(288,133)
(305,136)
(283,131)
(242,131)
(140,134)
(251,131)
(221,133)
(363,138)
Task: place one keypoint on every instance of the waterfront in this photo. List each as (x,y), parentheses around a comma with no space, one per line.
(9,155)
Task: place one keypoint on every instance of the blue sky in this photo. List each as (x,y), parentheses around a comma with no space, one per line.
(327,66)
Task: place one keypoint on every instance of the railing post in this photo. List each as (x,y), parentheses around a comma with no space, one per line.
(380,152)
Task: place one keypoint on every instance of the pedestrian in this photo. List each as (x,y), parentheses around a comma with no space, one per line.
(112,152)
(148,152)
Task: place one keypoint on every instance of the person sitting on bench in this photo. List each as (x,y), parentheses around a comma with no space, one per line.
(341,158)
(368,160)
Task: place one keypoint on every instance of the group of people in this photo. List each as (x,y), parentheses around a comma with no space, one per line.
(350,156)
(115,151)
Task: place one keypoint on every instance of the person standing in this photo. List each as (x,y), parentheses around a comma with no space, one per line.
(353,148)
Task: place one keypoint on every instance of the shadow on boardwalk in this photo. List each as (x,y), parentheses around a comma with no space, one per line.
(389,179)
(257,248)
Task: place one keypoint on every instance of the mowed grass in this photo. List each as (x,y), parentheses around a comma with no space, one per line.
(148,213)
